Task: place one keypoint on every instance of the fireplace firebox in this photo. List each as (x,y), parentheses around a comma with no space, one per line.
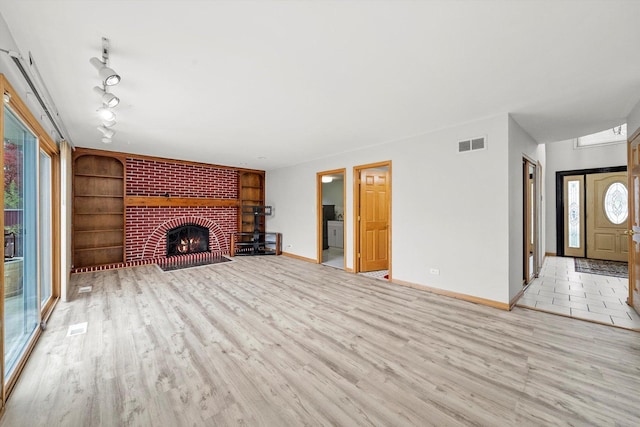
(187,239)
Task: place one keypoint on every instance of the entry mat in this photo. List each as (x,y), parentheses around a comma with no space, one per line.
(601,267)
(181,264)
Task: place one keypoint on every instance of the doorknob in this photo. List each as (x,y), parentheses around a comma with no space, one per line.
(629,232)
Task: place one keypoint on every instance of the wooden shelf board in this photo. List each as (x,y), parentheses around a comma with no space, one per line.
(90,175)
(103,230)
(112,196)
(99,213)
(98,248)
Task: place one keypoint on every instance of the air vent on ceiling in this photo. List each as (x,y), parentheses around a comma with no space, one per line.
(473,144)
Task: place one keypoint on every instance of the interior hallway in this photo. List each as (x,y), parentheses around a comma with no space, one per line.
(559,289)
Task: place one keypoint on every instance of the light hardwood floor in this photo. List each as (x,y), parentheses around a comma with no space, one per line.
(275,341)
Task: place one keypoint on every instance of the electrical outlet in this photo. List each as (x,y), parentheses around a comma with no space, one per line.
(434,271)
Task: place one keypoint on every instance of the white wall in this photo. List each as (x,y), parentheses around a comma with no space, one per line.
(450,211)
(633,120)
(15,78)
(521,145)
(562,156)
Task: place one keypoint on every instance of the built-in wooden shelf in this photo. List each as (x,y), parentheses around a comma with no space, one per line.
(93,175)
(97,248)
(98,209)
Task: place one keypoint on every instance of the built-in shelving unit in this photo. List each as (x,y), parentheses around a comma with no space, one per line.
(98,210)
(251,193)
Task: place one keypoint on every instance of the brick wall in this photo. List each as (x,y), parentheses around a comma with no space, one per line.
(156,178)
(146,226)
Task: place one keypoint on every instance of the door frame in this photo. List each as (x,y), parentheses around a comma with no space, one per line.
(560,199)
(631,229)
(531,222)
(319,176)
(356,212)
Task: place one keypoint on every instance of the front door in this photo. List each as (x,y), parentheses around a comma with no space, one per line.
(374,220)
(607,216)
(633,159)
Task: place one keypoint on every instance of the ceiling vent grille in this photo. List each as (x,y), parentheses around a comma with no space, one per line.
(473,144)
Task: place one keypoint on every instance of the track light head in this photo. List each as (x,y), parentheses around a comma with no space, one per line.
(106,140)
(108,76)
(108,123)
(109,99)
(106,114)
(107,133)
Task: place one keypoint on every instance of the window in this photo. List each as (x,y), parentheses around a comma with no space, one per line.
(574,214)
(614,135)
(615,203)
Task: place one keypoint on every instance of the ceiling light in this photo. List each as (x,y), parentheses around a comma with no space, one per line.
(106,114)
(327,179)
(108,76)
(108,99)
(106,140)
(108,133)
(108,123)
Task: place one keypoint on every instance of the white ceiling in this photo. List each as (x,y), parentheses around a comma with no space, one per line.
(265,84)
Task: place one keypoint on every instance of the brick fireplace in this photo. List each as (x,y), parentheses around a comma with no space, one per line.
(153,195)
(147,225)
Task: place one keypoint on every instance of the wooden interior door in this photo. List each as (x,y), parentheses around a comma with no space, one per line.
(574,216)
(607,216)
(633,168)
(374,220)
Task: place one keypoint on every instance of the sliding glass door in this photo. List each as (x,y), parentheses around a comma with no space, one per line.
(21,303)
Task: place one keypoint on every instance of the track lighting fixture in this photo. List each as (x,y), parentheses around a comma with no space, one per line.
(108,99)
(107,133)
(106,114)
(108,76)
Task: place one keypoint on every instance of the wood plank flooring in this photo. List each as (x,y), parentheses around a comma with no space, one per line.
(273,341)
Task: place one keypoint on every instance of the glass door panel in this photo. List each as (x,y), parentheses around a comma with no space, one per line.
(574,208)
(20,227)
(46,241)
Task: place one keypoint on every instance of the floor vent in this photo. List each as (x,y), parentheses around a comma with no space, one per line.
(77,329)
(85,289)
(472,144)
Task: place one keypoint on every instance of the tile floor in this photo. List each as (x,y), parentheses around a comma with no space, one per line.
(561,290)
(333,257)
(378,274)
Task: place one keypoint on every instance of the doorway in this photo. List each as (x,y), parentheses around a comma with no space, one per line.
(331,216)
(591,214)
(372,205)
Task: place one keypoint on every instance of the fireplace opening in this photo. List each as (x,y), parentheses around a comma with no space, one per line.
(187,239)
